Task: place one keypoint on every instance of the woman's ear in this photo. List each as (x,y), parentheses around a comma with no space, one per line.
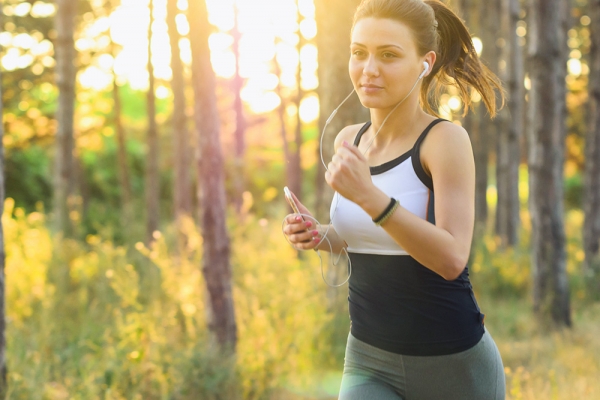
(430,58)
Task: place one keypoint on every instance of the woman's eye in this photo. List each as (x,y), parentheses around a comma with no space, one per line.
(389,55)
(357,53)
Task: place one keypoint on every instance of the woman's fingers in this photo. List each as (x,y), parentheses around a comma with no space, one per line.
(300,233)
(311,240)
(295,223)
(293,219)
(309,245)
(293,229)
(304,237)
(352,149)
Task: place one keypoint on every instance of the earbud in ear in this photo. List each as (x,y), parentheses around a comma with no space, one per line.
(425,69)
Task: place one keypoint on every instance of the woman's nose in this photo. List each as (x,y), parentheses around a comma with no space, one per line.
(370,68)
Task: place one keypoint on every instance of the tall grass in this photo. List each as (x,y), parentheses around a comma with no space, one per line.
(94,320)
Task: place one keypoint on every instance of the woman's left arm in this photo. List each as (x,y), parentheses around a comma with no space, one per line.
(447,155)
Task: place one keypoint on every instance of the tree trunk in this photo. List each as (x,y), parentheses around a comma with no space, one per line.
(475,122)
(3,387)
(591,200)
(152,173)
(65,79)
(240,121)
(334,22)
(124,179)
(488,128)
(546,137)
(182,190)
(216,261)
(508,150)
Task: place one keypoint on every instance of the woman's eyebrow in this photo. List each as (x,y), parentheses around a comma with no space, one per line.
(378,47)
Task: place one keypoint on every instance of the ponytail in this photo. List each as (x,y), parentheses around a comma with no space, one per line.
(458,65)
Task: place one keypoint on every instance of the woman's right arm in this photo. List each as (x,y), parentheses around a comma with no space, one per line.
(304,234)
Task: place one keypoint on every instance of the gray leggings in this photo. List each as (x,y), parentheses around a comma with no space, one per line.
(374,374)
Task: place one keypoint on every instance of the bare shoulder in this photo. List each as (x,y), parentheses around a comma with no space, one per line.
(446,142)
(347,134)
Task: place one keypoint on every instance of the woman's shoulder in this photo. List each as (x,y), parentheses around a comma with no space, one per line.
(347,134)
(447,133)
(446,139)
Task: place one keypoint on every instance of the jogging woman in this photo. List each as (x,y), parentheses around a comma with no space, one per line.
(404,211)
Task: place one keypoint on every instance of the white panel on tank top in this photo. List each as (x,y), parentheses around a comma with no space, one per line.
(356,227)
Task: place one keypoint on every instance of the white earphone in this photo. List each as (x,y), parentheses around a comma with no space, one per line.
(425,69)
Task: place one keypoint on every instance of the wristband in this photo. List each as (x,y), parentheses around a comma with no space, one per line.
(387,213)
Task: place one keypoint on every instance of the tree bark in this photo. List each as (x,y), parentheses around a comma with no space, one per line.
(508,150)
(334,22)
(546,137)
(65,78)
(181,141)
(472,123)
(3,387)
(591,199)
(152,173)
(490,129)
(216,261)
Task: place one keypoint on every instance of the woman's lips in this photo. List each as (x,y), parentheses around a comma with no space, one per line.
(368,88)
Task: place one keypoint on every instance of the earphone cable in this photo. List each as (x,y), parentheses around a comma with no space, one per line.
(324,235)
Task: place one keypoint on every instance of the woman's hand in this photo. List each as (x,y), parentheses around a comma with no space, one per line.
(348,174)
(301,231)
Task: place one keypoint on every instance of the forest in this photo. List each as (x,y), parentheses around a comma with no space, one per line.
(144,148)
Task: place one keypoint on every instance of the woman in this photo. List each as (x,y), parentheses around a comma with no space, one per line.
(404,210)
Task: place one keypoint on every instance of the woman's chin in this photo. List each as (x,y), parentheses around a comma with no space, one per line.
(369,102)
(372,103)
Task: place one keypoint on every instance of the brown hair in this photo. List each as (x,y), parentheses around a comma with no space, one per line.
(436,27)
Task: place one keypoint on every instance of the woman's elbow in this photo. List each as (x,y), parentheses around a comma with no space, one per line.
(454,268)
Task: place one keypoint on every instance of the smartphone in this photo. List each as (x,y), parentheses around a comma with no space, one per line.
(292,203)
(290,200)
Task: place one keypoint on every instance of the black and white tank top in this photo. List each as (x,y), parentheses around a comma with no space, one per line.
(395,303)
(402,178)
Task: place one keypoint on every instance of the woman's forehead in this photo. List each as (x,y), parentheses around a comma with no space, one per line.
(376,32)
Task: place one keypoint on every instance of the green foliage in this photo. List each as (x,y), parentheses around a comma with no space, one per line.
(281,298)
(574,191)
(27,174)
(507,271)
(502,272)
(84,325)
(91,320)
(95,320)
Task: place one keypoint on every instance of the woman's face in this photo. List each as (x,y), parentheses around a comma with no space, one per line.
(384,63)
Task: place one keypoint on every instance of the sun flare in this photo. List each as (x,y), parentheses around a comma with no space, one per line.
(269,33)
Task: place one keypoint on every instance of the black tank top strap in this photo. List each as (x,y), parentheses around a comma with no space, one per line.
(361,132)
(416,155)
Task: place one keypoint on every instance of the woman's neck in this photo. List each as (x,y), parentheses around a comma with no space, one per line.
(399,123)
